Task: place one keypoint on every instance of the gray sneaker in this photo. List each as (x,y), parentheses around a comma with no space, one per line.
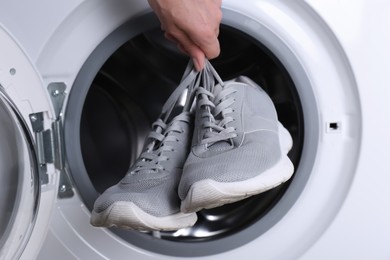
(239,148)
(146,198)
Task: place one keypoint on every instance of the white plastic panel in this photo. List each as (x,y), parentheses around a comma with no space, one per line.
(342,212)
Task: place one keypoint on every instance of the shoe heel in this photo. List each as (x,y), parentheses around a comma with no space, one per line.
(285,138)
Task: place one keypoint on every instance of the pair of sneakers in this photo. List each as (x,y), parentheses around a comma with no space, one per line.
(232,148)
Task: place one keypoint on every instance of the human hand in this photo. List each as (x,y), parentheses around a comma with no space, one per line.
(193,25)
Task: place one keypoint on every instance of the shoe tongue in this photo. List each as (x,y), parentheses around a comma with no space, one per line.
(220,145)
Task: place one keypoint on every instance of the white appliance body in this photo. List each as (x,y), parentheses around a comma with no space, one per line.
(337,55)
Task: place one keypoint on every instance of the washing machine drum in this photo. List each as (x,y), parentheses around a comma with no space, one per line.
(117,100)
(125,80)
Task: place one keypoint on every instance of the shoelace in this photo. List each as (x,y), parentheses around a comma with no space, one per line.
(217,109)
(151,158)
(161,134)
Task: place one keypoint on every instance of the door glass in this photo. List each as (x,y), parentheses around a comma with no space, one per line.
(19,187)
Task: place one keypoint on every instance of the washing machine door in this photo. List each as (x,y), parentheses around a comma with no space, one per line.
(19,187)
(19,175)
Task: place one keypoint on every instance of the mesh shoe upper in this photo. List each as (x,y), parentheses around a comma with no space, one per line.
(236,148)
(146,198)
(151,183)
(236,135)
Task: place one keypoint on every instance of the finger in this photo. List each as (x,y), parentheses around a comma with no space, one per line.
(178,44)
(195,53)
(197,56)
(199,60)
(181,48)
(189,47)
(211,50)
(207,41)
(171,38)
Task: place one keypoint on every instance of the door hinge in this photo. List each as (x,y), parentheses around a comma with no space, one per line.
(44,145)
(50,142)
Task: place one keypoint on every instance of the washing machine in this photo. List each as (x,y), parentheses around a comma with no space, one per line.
(81,81)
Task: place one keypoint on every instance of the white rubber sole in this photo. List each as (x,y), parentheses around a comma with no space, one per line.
(123,214)
(207,193)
